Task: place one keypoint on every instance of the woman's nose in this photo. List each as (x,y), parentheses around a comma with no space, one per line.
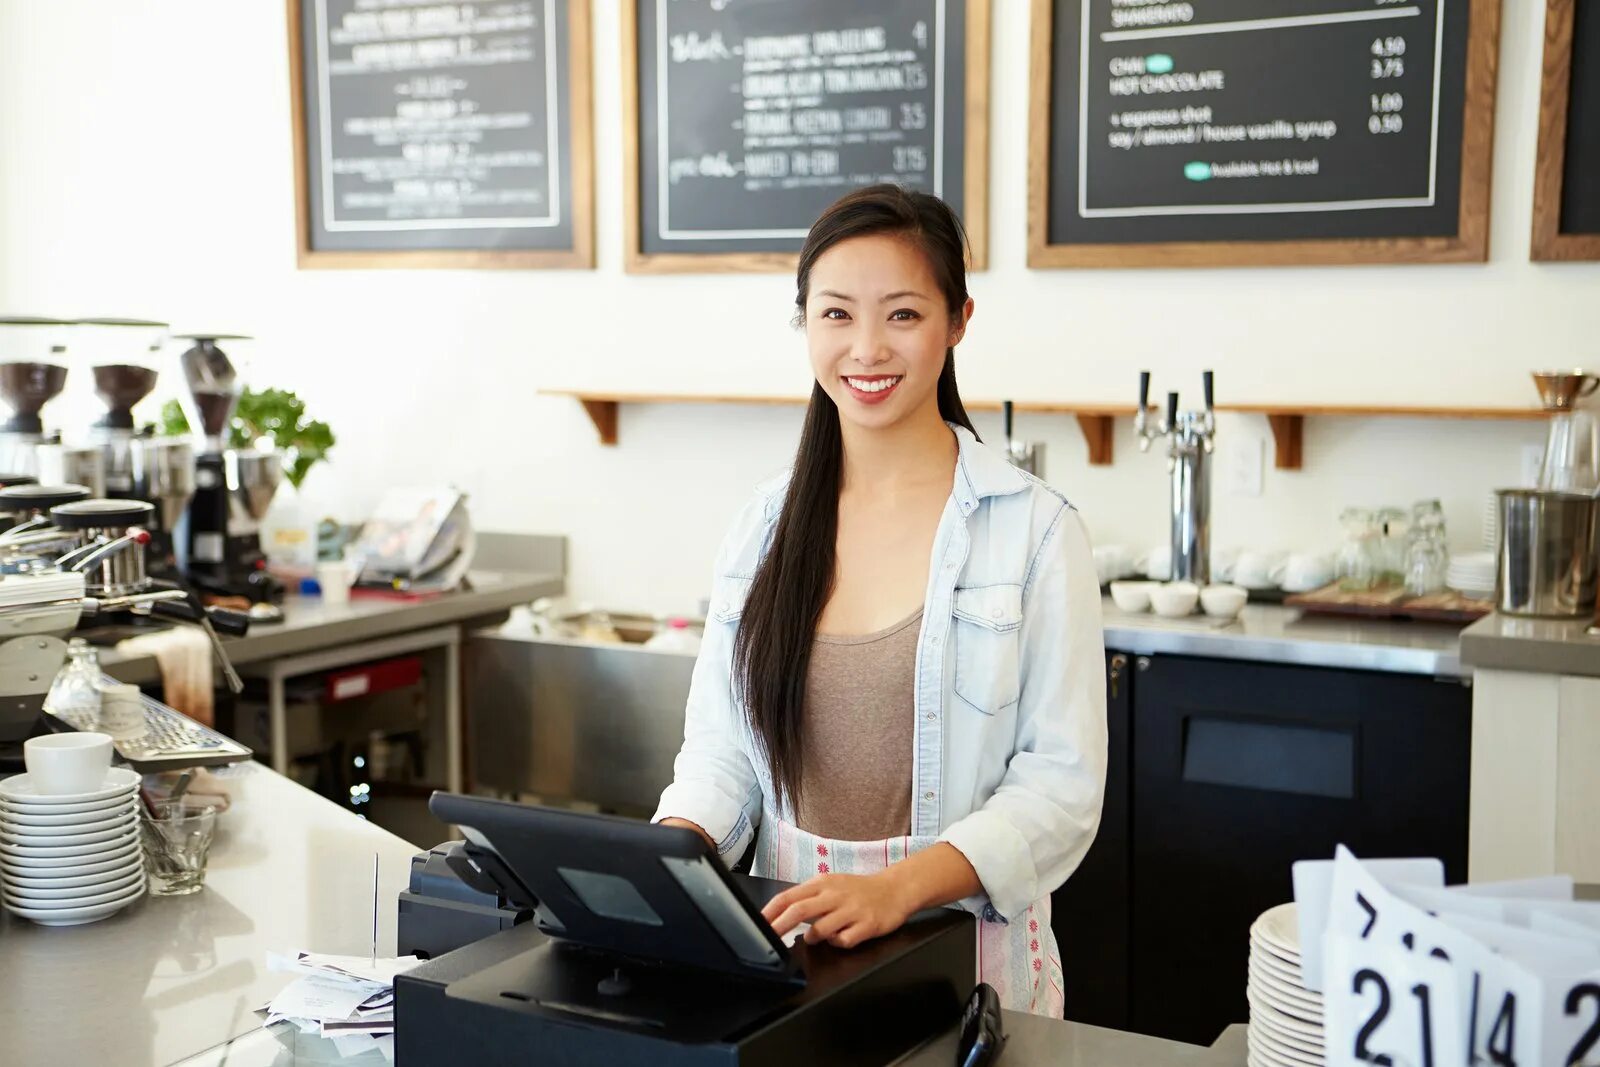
(870,348)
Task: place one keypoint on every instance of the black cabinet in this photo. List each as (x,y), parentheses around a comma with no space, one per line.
(1221,774)
(1091,913)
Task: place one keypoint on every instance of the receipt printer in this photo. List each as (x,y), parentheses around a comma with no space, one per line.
(640,948)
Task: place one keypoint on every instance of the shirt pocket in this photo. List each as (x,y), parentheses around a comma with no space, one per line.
(987,624)
(728,597)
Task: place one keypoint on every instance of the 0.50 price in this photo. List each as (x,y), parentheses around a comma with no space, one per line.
(1385,124)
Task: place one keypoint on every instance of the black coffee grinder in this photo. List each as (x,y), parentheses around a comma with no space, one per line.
(135,465)
(232,488)
(33,370)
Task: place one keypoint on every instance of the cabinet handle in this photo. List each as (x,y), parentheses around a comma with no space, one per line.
(1143,663)
(1119,663)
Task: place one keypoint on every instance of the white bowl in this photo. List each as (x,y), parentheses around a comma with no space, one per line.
(1132,597)
(1173,600)
(1223,601)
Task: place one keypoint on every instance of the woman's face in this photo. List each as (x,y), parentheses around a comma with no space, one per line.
(877,326)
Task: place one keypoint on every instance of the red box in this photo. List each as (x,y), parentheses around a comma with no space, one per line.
(369,679)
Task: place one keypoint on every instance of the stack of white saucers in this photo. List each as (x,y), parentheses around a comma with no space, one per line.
(1285,1017)
(70,859)
(1472,574)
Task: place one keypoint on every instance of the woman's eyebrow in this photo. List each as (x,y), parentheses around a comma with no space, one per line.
(901,294)
(836,295)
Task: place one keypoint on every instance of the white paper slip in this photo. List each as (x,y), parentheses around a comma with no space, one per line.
(1313,882)
(381,970)
(321,996)
(793,936)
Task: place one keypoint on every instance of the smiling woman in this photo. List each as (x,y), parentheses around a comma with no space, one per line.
(900,697)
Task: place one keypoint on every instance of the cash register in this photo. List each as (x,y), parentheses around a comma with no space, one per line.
(580,939)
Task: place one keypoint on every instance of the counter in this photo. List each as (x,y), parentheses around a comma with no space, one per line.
(171,976)
(1539,646)
(1269,633)
(309,625)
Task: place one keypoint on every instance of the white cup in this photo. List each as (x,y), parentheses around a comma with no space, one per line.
(1258,570)
(1112,563)
(1157,563)
(65,764)
(1306,571)
(335,577)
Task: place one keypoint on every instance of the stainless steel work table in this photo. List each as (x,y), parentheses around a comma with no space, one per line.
(1270,633)
(314,636)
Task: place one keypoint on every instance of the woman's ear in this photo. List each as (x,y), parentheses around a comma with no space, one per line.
(958,327)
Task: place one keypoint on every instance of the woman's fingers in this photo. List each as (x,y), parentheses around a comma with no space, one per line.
(784,900)
(803,911)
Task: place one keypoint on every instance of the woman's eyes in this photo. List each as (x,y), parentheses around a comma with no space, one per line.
(899,315)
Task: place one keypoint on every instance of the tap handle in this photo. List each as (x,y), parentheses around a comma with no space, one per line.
(1144,389)
(1207,378)
(1172,411)
(1005,416)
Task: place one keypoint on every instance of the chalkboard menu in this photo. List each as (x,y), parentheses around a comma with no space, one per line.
(433,134)
(1566,198)
(1216,132)
(746,118)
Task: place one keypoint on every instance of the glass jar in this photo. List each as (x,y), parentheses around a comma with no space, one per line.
(1427,551)
(75,694)
(1357,564)
(1394,526)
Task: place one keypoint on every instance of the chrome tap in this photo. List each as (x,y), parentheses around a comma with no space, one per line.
(1191,439)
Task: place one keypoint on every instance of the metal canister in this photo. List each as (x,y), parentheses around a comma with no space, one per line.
(1549,553)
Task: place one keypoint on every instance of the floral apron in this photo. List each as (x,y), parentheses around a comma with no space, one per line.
(1019,959)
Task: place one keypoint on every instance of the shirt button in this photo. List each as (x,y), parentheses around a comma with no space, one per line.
(928,795)
(997,612)
(931,716)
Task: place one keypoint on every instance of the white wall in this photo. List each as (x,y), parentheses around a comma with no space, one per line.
(145,170)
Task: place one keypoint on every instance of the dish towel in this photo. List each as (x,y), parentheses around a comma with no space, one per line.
(183,655)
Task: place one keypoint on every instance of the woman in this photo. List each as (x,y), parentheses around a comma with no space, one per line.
(901,691)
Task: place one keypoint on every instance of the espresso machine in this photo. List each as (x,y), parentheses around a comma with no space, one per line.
(232,487)
(33,371)
(1191,437)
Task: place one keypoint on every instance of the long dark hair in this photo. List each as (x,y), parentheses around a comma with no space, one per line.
(773,646)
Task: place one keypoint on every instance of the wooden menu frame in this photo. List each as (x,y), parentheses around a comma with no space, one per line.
(1469,245)
(581,97)
(1549,171)
(975,165)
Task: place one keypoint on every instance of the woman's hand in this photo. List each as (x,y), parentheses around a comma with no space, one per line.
(843,909)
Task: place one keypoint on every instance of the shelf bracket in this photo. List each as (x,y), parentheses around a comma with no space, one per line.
(603,413)
(1288,438)
(1099,432)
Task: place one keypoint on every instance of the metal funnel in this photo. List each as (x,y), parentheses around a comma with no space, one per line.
(1560,390)
(213,382)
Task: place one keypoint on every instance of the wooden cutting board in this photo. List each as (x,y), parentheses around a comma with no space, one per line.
(1391,602)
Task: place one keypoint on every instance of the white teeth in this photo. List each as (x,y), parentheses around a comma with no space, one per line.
(876,386)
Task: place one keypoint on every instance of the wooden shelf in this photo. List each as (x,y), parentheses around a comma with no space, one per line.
(1288,421)
(1097,421)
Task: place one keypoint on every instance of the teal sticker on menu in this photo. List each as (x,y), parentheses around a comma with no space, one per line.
(1197,172)
(1160,63)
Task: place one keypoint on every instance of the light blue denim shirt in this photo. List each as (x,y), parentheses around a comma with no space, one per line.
(1010,696)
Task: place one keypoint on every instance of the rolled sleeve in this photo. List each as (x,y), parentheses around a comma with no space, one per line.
(1027,838)
(714,785)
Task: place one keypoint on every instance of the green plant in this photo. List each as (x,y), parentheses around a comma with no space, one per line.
(276,414)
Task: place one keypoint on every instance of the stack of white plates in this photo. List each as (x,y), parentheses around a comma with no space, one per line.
(1472,574)
(1491,523)
(1285,1017)
(66,860)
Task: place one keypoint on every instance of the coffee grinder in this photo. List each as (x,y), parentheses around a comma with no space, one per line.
(124,355)
(232,488)
(33,371)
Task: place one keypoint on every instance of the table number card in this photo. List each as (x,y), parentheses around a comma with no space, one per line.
(1419,976)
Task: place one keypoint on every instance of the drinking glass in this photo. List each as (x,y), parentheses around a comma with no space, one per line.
(177,842)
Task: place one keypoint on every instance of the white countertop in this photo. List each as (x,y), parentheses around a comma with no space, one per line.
(171,976)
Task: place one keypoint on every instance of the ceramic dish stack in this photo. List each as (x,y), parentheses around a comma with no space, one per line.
(1285,1017)
(66,860)
(1472,575)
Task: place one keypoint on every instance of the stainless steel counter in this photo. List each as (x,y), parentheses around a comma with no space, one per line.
(1540,646)
(310,625)
(1267,633)
(171,976)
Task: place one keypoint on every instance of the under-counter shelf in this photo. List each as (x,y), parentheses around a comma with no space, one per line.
(1097,421)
